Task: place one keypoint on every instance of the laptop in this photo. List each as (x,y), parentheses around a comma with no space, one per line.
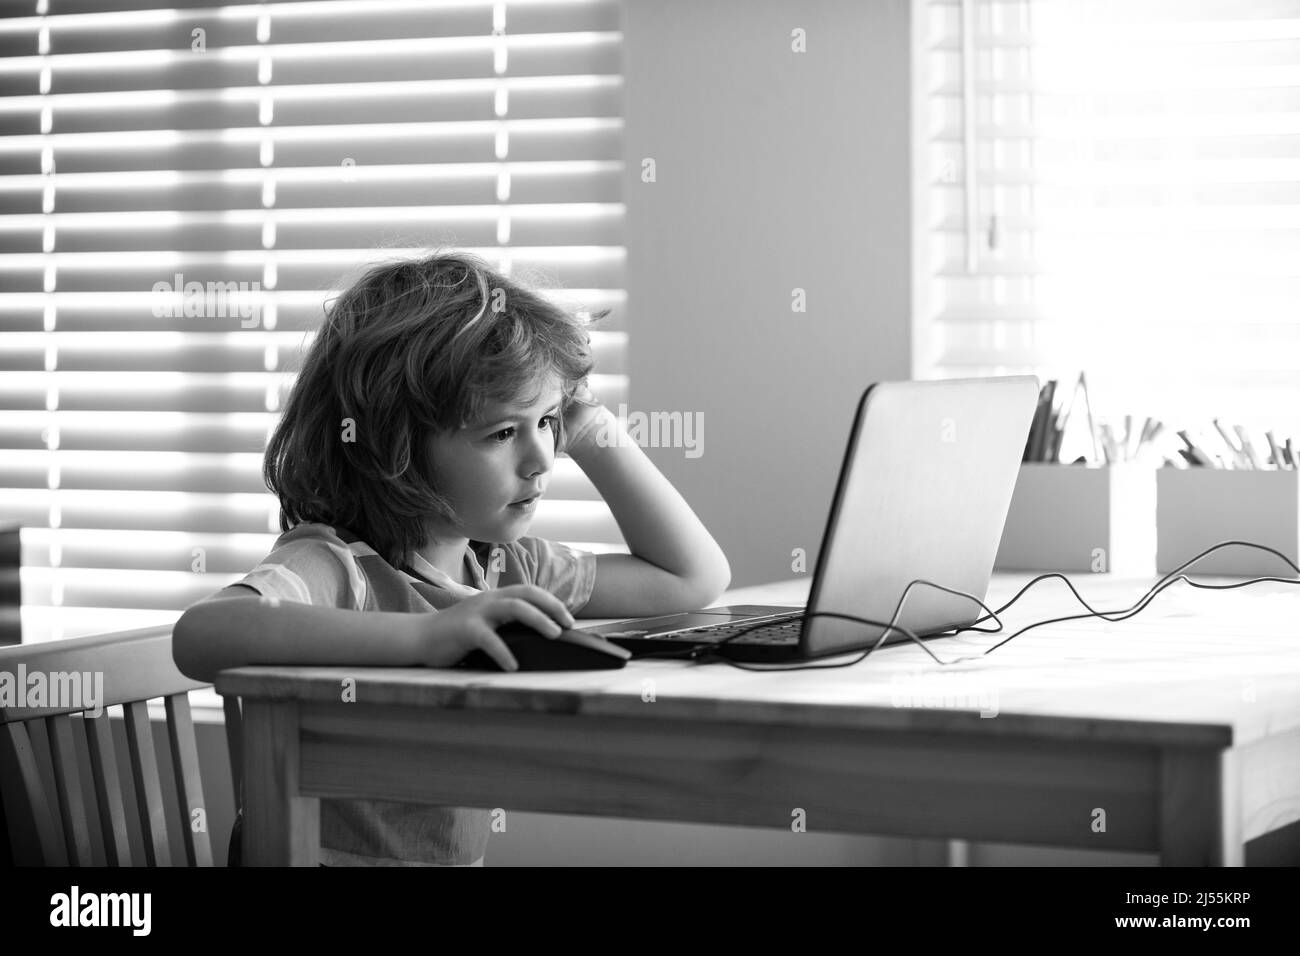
(923,493)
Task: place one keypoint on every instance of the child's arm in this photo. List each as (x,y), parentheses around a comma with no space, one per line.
(675,564)
(237,627)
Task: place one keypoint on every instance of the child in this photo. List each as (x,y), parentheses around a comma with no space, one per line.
(431,403)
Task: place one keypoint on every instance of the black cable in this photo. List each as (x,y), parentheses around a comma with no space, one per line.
(1157,587)
(1140,605)
(711,652)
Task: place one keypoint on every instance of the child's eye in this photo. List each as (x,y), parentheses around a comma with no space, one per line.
(504,435)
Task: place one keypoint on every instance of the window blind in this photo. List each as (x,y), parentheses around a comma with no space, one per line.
(1115,186)
(268,152)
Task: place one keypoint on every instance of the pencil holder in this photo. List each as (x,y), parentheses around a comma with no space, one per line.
(1075,518)
(1199,507)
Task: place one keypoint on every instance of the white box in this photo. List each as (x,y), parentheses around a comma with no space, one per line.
(1199,507)
(1077,518)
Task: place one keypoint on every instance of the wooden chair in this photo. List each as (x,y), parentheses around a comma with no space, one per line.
(137,666)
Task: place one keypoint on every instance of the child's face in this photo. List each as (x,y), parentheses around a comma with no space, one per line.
(488,466)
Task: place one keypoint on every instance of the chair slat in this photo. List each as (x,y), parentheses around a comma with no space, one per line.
(148,788)
(108,789)
(234,741)
(38,801)
(67,785)
(189,787)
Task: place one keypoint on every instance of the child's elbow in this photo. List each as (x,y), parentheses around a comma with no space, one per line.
(187,648)
(714,586)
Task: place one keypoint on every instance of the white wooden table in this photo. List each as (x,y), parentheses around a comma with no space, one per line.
(1177,732)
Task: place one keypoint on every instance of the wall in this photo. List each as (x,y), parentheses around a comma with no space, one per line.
(775,170)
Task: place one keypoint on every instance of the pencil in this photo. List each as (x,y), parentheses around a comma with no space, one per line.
(1274,452)
(1049,393)
(1059,427)
(1248,448)
(1236,453)
(1194,454)
(1114,449)
(1087,404)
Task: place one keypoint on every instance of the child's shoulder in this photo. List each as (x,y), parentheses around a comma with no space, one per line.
(314,531)
(314,536)
(312,563)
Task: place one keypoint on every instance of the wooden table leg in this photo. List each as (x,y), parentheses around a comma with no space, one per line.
(281,827)
(1200,809)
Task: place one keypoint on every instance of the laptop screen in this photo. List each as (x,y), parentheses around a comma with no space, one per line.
(923,494)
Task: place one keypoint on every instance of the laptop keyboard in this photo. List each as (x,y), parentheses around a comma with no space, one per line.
(784,630)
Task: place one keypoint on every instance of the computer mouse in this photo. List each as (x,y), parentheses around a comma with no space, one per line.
(573,650)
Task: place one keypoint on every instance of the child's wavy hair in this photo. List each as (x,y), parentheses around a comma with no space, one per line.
(413,348)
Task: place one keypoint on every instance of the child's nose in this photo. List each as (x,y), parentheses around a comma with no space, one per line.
(538,452)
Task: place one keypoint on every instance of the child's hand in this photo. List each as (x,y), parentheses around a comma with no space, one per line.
(582,417)
(447,636)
